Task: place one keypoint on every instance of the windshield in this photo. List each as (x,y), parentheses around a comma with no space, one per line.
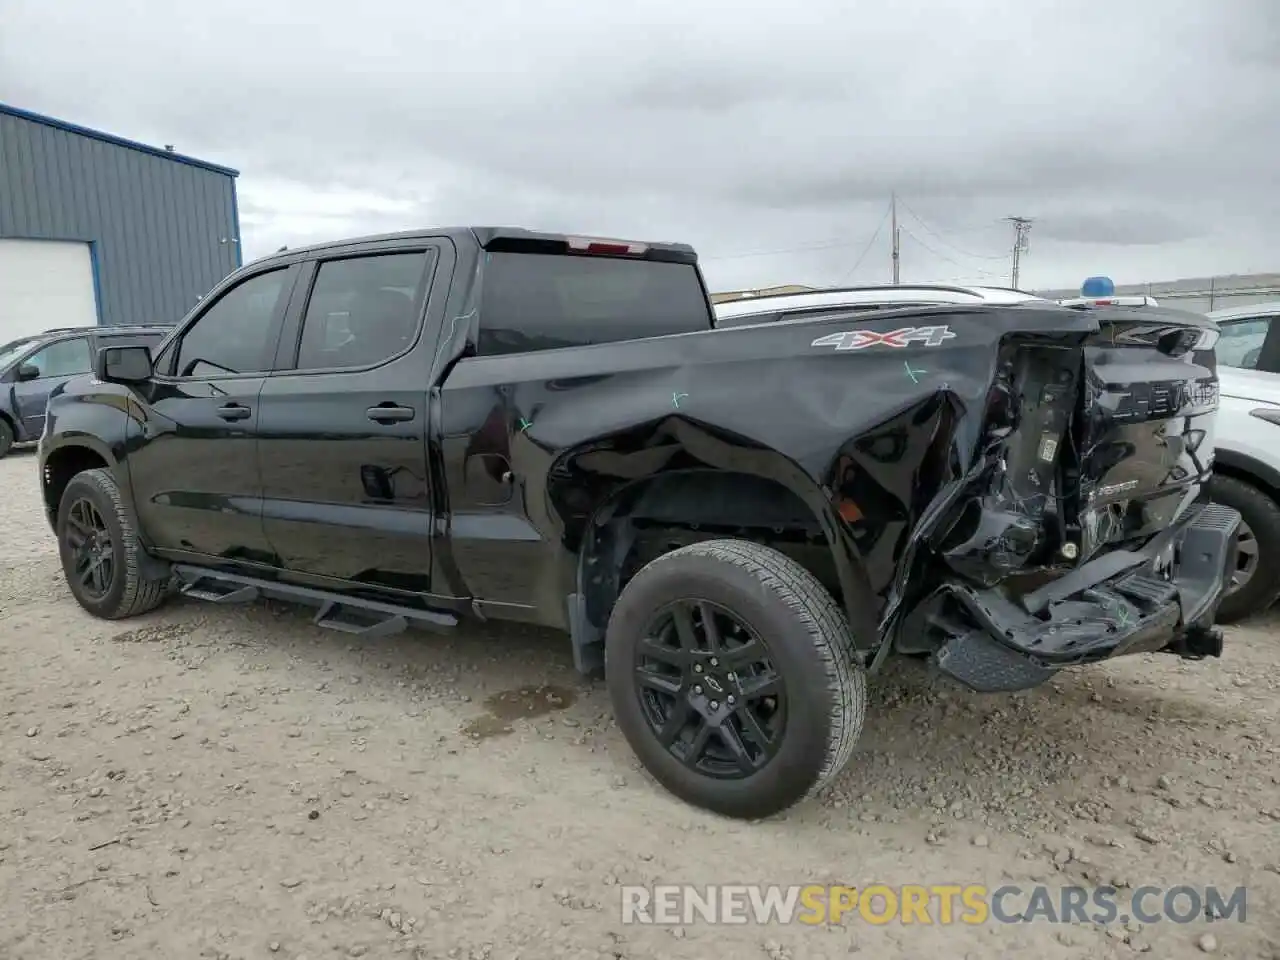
(12,350)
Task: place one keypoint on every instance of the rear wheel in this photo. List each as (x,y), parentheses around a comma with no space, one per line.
(1255,583)
(101,554)
(733,677)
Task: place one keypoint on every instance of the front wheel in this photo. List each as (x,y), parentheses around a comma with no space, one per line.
(734,678)
(101,554)
(6,438)
(1255,583)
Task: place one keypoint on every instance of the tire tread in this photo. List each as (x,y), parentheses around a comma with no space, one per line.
(828,628)
(141,594)
(1243,496)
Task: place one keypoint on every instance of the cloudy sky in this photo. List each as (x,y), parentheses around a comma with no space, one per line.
(1143,136)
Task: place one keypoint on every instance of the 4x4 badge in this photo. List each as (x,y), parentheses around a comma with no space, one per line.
(860,339)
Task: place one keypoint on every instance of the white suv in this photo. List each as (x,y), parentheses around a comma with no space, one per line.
(788,306)
(1247,457)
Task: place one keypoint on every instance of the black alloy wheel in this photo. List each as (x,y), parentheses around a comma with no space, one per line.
(734,676)
(104,562)
(710,691)
(87,535)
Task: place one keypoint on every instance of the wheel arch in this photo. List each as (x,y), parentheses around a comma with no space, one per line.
(12,423)
(1242,466)
(66,459)
(690,499)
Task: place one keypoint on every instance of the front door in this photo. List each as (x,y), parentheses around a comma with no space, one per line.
(55,364)
(343,425)
(194,468)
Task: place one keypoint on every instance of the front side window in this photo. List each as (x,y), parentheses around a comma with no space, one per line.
(66,358)
(363,310)
(231,336)
(1240,343)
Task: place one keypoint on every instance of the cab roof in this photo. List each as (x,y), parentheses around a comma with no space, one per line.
(494,238)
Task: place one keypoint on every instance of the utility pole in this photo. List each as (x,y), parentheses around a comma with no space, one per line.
(893,206)
(1021,227)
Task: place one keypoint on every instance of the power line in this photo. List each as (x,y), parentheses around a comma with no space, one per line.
(896,246)
(976,256)
(950,260)
(1021,227)
(821,245)
(867,249)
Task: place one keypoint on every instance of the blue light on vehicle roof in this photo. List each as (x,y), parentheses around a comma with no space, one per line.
(1097,287)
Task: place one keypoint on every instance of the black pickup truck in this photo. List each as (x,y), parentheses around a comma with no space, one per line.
(737,526)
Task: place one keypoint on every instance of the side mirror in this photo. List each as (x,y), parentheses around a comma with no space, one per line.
(28,371)
(130,364)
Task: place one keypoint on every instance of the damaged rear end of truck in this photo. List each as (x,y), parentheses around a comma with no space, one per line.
(1080,529)
(1007,490)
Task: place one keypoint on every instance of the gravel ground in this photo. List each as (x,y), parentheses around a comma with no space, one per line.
(235,783)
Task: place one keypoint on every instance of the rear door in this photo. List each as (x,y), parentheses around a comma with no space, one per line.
(536,310)
(346,488)
(55,364)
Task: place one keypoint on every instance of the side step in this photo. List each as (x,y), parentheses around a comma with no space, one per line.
(218,591)
(363,623)
(985,666)
(354,615)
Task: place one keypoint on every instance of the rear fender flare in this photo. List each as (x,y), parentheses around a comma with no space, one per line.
(631,467)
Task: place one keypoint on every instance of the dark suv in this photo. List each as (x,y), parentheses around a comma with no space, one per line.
(31,367)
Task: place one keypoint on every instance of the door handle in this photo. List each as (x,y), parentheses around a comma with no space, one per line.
(390,413)
(234,411)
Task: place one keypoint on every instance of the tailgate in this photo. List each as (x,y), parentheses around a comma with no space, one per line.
(1146,434)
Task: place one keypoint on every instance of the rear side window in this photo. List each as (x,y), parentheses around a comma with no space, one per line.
(64,358)
(536,301)
(363,310)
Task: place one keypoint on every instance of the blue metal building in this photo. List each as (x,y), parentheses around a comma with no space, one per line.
(95,228)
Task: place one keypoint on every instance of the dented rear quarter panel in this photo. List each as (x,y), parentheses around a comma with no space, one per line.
(894,429)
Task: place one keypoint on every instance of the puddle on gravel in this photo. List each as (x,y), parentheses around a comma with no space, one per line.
(507,706)
(154,633)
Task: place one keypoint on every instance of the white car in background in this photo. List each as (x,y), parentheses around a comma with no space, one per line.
(770,308)
(1247,458)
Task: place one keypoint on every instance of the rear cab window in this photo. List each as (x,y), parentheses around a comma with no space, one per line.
(544,301)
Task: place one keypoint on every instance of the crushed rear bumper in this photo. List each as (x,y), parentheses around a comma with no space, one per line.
(1114,605)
